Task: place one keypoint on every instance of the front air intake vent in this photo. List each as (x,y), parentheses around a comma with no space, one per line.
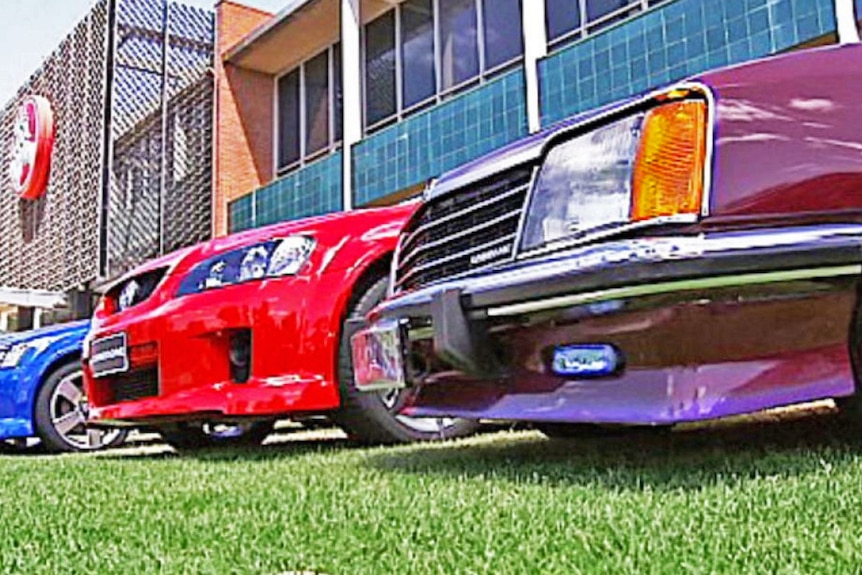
(134,385)
(136,290)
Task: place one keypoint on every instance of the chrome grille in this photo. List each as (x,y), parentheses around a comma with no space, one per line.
(460,232)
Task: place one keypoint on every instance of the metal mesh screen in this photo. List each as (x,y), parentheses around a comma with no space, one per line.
(53,243)
(131,89)
(161,167)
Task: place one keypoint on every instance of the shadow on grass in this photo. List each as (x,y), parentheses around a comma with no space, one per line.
(283,443)
(688,458)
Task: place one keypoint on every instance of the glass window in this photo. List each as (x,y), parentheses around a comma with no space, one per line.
(459,42)
(598,8)
(288,119)
(380,68)
(417,52)
(504,39)
(562,16)
(317,103)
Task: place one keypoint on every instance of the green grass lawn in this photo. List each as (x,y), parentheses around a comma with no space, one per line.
(746,497)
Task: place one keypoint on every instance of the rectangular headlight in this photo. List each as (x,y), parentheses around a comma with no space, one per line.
(645,166)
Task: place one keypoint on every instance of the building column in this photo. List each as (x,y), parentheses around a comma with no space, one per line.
(845,16)
(26,315)
(351,92)
(80,302)
(535,48)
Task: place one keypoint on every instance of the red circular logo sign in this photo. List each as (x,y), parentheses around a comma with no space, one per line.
(33,142)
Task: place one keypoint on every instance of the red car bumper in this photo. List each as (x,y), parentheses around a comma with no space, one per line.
(178,357)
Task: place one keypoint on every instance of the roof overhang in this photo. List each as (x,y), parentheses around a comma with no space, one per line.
(301,30)
(298,31)
(31,298)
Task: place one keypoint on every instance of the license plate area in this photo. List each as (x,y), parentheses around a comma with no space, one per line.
(109,355)
(378,357)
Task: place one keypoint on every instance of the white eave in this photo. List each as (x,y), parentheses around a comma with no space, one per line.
(276,22)
(31,298)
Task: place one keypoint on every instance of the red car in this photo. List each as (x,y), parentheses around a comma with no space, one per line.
(212,344)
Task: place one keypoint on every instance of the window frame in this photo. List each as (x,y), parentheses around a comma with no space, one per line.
(440,95)
(333,144)
(588,27)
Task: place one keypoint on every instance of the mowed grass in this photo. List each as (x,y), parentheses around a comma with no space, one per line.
(746,497)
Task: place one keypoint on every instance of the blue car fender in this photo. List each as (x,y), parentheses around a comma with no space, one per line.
(46,350)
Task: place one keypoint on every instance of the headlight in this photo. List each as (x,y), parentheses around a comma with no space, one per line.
(128,294)
(646,166)
(267,259)
(12,356)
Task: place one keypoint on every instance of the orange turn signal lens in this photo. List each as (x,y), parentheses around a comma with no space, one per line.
(669,170)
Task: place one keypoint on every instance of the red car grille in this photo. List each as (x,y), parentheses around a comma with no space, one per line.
(133,385)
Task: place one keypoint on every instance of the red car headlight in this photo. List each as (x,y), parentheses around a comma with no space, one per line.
(273,258)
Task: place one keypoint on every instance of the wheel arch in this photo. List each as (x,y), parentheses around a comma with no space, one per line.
(50,365)
(364,279)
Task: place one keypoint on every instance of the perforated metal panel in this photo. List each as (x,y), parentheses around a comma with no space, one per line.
(131,88)
(53,243)
(161,138)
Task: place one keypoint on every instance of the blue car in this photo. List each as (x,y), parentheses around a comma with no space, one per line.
(41,390)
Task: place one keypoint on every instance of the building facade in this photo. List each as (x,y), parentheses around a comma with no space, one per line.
(337,104)
(127,98)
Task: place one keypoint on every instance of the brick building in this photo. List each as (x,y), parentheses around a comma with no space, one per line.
(338,104)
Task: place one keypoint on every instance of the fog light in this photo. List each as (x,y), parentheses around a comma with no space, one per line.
(239,355)
(589,360)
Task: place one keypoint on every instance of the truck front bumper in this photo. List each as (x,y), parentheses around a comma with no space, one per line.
(484,340)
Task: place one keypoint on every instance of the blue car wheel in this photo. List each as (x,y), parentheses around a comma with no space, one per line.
(61,414)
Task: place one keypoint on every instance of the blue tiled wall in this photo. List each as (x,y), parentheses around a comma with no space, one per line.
(241,214)
(312,190)
(671,42)
(425,145)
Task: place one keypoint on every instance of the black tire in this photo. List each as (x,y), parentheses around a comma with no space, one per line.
(592,430)
(850,407)
(850,410)
(371,417)
(199,436)
(60,414)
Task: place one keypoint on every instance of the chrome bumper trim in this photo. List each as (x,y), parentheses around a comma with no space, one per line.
(673,287)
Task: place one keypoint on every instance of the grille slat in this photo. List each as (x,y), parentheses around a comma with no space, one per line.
(453,257)
(442,220)
(467,230)
(460,235)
